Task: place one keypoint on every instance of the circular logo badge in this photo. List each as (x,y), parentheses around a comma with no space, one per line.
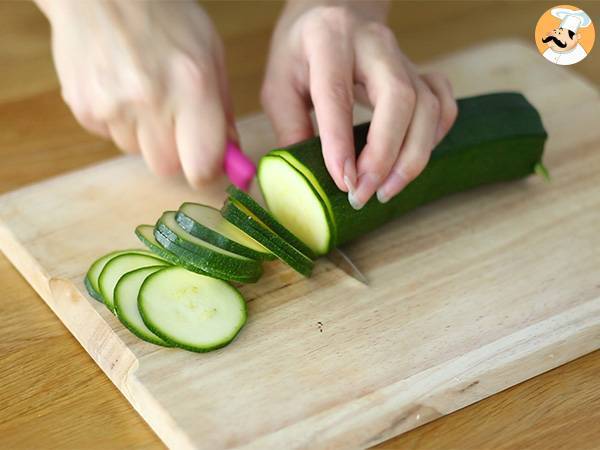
(564,35)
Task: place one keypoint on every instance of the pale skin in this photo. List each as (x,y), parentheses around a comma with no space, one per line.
(150,75)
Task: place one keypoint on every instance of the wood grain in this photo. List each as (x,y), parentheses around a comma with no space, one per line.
(70,403)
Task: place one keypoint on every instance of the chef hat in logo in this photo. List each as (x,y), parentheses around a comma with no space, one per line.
(571,19)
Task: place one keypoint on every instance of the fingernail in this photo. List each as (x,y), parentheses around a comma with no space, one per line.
(395,183)
(367,184)
(349,175)
(353,201)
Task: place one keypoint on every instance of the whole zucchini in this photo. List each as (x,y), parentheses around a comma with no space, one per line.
(496,137)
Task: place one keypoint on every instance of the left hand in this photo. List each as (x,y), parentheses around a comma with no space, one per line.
(326,56)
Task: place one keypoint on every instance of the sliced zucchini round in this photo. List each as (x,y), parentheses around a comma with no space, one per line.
(191,311)
(239,216)
(267,218)
(126,304)
(206,223)
(280,182)
(92,275)
(145,233)
(119,266)
(210,259)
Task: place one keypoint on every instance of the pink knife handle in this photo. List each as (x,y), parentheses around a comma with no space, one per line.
(239,168)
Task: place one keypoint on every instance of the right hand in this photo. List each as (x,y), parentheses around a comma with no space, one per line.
(148,75)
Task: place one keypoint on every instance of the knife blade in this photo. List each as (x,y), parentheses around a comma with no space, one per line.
(340,259)
(241,170)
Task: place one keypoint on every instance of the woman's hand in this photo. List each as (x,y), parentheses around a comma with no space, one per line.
(149,75)
(327,56)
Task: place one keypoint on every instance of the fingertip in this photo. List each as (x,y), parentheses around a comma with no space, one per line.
(395,182)
(200,172)
(367,185)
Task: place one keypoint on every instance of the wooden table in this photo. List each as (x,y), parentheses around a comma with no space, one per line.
(53,395)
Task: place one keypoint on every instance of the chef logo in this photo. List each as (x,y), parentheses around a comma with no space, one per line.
(564,35)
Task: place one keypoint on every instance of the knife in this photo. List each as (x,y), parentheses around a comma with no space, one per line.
(240,169)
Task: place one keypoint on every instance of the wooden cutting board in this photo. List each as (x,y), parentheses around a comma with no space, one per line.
(468,296)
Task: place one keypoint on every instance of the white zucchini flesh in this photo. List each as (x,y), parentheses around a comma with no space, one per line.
(211,218)
(280,184)
(91,278)
(126,304)
(191,311)
(119,266)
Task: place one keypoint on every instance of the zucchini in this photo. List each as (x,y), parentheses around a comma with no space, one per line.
(126,304)
(191,311)
(310,219)
(119,266)
(91,277)
(496,137)
(242,218)
(145,233)
(267,218)
(206,223)
(212,260)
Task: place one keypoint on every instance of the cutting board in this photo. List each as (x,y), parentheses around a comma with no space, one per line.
(468,296)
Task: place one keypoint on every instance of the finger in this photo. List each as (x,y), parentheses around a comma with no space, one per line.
(200,124)
(391,91)
(156,138)
(96,127)
(417,146)
(288,109)
(232,133)
(361,95)
(331,69)
(82,111)
(123,133)
(442,89)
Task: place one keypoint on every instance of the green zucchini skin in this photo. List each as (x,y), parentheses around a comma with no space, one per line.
(267,218)
(207,261)
(266,237)
(145,234)
(496,137)
(214,237)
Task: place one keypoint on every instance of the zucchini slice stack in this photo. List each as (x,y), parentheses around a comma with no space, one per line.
(177,293)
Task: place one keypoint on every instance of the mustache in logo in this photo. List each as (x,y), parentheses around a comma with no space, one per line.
(555,40)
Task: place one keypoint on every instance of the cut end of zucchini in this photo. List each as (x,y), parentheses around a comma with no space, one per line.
(242,218)
(270,221)
(306,216)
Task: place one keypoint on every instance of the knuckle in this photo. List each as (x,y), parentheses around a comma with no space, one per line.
(383,33)
(340,92)
(412,169)
(336,17)
(450,114)
(194,74)
(402,91)
(431,104)
(146,91)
